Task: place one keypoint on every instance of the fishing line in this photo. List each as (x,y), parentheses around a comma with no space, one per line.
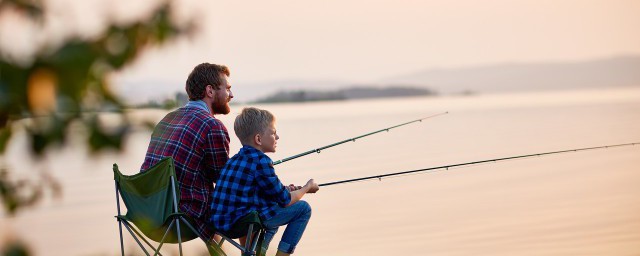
(442,170)
(318,150)
(447,167)
(429,171)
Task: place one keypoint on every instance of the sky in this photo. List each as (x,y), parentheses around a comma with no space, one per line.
(357,41)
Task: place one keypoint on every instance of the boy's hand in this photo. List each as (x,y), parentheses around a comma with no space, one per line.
(292,187)
(312,186)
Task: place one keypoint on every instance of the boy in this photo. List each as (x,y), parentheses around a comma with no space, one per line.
(248,183)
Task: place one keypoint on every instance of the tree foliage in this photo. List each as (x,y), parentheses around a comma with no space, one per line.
(65,84)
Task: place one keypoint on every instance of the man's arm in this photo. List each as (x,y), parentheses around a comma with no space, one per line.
(216,151)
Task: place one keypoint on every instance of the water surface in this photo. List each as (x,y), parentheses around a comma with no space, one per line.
(569,204)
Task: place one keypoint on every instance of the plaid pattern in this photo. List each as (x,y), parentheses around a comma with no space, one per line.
(199,145)
(247,183)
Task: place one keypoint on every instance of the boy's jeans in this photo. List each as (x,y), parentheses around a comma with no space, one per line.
(295,217)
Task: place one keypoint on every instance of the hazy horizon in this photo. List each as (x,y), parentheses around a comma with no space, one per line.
(352,41)
(614,71)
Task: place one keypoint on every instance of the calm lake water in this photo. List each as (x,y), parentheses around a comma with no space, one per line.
(585,203)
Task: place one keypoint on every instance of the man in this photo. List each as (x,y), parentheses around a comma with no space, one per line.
(197,141)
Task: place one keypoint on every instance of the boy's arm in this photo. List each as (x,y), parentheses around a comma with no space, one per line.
(269,184)
(310,187)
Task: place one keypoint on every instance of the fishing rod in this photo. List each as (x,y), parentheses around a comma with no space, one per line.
(446,167)
(317,150)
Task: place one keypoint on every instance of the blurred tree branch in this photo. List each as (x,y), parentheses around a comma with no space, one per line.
(68,83)
(31,8)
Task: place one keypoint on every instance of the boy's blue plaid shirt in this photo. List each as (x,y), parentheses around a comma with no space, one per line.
(247,183)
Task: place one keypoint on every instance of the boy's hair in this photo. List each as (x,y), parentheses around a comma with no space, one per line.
(250,122)
(203,75)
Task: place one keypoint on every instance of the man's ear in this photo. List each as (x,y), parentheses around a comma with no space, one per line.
(210,90)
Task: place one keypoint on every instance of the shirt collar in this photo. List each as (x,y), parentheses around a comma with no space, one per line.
(251,150)
(198,104)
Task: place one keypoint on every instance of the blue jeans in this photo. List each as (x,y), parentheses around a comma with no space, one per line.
(295,217)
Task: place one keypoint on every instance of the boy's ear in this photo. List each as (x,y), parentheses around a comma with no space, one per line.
(257,139)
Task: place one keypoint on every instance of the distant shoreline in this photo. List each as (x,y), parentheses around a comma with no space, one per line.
(181,101)
(356,92)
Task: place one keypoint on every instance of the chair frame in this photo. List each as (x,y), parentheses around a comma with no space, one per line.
(251,247)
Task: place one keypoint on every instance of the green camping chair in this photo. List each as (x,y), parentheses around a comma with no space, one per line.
(151,198)
(251,227)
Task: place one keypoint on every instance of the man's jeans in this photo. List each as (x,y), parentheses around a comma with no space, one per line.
(295,217)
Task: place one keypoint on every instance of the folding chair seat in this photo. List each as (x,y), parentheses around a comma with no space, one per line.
(152,199)
(249,226)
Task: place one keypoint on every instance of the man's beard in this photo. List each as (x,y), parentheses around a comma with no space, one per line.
(221,106)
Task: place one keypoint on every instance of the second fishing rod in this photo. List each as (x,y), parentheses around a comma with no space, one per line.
(447,167)
(318,150)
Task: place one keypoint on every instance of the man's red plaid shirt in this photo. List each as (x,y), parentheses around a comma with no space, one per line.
(199,145)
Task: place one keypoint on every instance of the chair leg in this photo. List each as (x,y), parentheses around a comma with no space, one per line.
(257,246)
(253,239)
(215,249)
(137,241)
(127,225)
(234,243)
(179,237)
(247,243)
(256,242)
(119,220)
(157,251)
(175,208)
(121,240)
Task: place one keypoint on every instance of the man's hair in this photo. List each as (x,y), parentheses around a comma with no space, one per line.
(203,75)
(250,122)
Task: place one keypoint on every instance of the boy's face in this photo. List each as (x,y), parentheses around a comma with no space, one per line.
(269,139)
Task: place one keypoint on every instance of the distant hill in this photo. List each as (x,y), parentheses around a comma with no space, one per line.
(506,77)
(610,72)
(358,92)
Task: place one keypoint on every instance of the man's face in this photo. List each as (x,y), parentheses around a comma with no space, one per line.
(222,97)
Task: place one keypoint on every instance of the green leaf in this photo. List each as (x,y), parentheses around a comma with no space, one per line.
(5,135)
